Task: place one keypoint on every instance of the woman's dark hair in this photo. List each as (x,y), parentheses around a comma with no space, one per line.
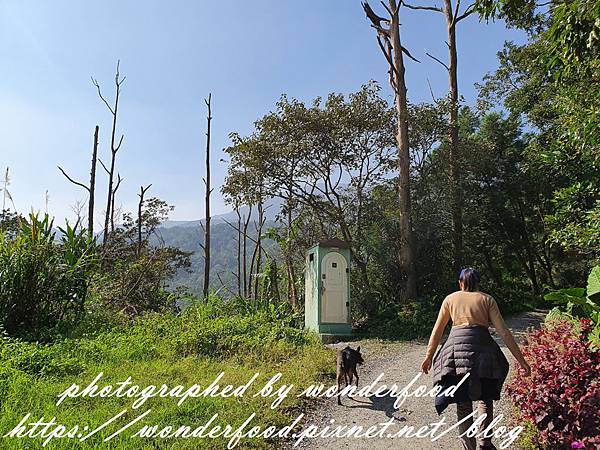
(470,279)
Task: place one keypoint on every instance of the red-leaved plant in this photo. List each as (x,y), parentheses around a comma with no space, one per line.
(561,398)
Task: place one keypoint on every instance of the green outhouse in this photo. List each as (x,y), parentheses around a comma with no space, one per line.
(327,289)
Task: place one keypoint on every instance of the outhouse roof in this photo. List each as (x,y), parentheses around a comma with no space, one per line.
(335,242)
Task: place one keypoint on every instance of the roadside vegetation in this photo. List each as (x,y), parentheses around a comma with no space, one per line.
(192,348)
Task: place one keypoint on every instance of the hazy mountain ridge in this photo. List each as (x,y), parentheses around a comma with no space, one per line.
(188,235)
(272,207)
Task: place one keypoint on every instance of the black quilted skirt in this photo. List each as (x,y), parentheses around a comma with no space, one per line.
(471,350)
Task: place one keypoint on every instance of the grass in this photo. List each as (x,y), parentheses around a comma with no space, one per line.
(193,348)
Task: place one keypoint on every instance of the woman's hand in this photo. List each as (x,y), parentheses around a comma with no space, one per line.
(426,365)
(526,368)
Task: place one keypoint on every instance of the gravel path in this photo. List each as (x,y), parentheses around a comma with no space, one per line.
(400,362)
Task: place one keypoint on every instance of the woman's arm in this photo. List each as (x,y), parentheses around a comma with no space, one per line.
(506,335)
(436,335)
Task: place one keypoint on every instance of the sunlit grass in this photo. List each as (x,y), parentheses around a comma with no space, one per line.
(169,350)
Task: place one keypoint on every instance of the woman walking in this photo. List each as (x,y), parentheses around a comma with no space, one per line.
(470,349)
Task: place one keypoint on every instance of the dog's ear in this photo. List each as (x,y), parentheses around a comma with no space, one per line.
(358,349)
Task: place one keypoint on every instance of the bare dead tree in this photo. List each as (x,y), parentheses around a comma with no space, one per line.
(91,188)
(237,227)
(6,183)
(112,205)
(390,44)
(452,15)
(92,199)
(6,195)
(77,209)
(224,285)
(46,201)
(208,191)
(113,210)
(241,228)
(114,148)
(239,251)
(256,261)
(143,191)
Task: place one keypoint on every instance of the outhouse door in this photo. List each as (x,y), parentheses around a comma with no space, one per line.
(334,289)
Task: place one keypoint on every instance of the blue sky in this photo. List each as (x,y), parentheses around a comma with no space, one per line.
(247,53)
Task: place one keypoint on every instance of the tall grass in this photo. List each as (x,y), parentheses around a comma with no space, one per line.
(160,348)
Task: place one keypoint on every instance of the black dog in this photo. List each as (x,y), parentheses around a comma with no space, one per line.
(347,360)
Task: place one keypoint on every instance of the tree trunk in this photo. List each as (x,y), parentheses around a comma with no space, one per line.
(546,263)
(239,251)
(407,254)
(529,251)
(261,222)
(112,204)
(292,293)
(114,148)
(455,184)
(207,206)
(110,201)
(139,221)
(139,224)
(92,189)
(245,251)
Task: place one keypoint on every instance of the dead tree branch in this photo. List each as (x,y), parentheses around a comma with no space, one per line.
(438,60)
(72,180)
(143,191)
(114,148)
(426,8)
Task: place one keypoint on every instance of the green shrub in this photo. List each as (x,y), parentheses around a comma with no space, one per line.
(581,303)
(135,273)
(36,359)
(513,299)
(43,282)
(225,329)
(529,438)
(404,321)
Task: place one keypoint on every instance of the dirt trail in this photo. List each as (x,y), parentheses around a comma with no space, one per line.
(400,362)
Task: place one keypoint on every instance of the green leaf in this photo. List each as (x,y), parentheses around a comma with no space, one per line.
(593,286)
(573,295)
(574,292)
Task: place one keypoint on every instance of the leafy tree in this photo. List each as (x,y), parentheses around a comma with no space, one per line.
(135,272)
(321,160)
(508,202)
(552,84)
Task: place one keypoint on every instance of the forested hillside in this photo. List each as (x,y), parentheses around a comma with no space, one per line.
(187,236)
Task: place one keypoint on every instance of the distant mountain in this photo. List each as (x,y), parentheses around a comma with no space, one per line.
(188,235)
(271,209)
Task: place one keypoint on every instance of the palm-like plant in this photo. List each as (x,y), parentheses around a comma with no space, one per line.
(43,282)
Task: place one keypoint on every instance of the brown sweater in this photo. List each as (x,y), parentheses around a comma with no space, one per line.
(469,308)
